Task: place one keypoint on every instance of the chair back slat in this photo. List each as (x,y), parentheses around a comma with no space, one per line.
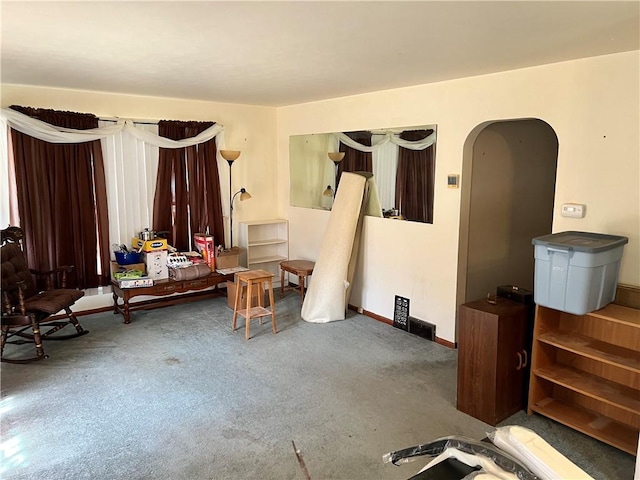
(15,270)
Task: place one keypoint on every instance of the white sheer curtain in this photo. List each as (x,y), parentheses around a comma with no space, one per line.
(131,168)
(385,164)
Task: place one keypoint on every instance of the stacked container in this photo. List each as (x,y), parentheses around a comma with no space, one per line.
(577,272)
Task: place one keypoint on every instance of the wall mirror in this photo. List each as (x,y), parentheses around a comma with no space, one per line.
(402,161)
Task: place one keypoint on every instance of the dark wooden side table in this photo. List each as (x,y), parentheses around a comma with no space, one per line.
(301,268)
(199,288)
(493,358)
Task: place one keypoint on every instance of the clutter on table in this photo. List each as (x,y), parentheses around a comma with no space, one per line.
(150,258)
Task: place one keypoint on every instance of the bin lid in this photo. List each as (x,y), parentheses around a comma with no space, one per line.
(582,241)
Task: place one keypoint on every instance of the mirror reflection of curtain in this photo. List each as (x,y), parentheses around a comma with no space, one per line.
(355,160)
(385,164)
(187,198)
(415,179)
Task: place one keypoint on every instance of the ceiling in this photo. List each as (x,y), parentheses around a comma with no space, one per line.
(283,53)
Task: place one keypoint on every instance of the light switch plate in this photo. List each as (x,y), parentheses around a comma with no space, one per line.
(574,210)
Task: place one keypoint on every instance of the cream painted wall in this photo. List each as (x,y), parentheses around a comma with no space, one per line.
(592,105)
(251,129)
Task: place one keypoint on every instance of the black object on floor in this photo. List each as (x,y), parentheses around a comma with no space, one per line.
(448,469)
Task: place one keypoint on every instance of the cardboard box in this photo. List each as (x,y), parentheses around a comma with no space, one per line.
(228,258)
(115,267)
(231,296)
(149,245)
(156,263)
(206,247)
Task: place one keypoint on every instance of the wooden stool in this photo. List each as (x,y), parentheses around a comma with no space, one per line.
(256,278)
(301,268)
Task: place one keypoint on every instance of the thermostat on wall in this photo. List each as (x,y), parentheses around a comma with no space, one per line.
(453,181)
(575,210)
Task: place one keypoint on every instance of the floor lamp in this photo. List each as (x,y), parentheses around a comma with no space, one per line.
(230,156)
(336,158)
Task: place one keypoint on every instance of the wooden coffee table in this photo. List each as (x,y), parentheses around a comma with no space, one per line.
(199,288)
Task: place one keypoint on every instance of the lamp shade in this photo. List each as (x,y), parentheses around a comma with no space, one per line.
(230,155)
(244,195)
(336,156)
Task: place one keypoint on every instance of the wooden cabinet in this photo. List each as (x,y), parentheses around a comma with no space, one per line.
(586,372)
(266,244)
(493,358)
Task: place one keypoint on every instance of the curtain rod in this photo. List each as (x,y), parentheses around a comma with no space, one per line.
(115,119)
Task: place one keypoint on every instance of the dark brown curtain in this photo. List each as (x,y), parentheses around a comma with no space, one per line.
(355,160)
(62,199)
(187,198)
(415,179)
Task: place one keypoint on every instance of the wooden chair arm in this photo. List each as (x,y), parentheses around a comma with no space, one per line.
(14,320)
(59,273)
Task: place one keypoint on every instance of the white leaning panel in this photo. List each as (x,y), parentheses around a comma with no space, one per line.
(326,298)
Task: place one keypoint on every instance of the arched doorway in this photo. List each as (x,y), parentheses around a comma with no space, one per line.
(508,189)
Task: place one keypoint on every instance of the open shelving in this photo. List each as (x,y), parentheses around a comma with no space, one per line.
(586,372)
(265,244)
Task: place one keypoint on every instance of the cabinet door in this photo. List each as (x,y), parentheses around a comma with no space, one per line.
(512,363)
(477,363)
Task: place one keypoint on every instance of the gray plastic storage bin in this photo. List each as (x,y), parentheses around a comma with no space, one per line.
(576,272)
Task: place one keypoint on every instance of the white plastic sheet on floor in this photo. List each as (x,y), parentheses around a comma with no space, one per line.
(536,454)
(327,298)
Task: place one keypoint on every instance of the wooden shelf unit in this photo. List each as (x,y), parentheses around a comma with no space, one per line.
(586,372)
(266,244)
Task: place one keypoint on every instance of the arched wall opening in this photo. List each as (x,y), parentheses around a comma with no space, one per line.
(507,196)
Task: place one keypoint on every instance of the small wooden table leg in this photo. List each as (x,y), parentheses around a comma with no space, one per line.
(281,282)
(261,299)
(301,285)
(274,325)
(248,316)
(236,304)
(127,313)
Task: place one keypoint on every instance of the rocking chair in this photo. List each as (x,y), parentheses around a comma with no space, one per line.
(25,310)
